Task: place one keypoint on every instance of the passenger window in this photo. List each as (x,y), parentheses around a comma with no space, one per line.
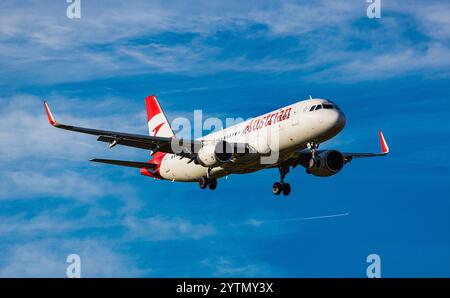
(312,108)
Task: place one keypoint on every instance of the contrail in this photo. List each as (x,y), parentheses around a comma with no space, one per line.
(254,222)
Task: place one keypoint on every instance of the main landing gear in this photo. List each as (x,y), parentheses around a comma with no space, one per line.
(285,188)
(205,182)
(282,187)
(208,181)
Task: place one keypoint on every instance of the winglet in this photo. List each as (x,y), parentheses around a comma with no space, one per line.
(49,114)
(384,146)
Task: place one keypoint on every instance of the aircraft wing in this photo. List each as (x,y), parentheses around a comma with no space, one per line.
(303,157)
(153,143)
(384,150)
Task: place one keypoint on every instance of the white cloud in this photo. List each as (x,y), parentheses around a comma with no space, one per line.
(47,258)
(57,183)
(226,267)
(42,242)
(24,124)
(297,18)
(160,228)
(369,66)
(431,17)
(54,222)
(106,41)
(39,160)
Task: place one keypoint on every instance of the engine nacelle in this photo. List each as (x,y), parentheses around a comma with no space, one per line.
(215,154)
(329,163)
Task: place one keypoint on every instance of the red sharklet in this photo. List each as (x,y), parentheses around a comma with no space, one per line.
(49,114)
(384,146)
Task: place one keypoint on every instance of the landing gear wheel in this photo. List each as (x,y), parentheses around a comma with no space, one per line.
(277,188)
(203,182)
(212,183)
(286,188)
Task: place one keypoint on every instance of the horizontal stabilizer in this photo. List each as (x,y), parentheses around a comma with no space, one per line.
(124,163)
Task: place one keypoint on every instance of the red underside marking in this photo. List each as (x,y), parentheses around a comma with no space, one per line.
(157,160)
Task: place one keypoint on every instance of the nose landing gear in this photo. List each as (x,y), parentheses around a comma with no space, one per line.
(313,162)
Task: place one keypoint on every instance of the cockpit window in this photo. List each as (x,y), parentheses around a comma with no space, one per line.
(327,106)
(334,105)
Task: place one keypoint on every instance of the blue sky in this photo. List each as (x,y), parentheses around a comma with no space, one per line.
(233,59)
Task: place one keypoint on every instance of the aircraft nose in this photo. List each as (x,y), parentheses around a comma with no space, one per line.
(341,120)
(333,122)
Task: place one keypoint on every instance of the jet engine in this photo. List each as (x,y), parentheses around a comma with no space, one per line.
(215,154)
(328,163)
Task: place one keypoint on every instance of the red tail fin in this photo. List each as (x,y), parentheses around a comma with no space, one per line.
(157,121)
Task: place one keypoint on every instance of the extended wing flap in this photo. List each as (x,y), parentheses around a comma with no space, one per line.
(127,142)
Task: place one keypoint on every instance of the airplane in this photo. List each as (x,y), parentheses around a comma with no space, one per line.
(292,134)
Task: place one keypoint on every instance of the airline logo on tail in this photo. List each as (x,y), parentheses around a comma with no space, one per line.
(158,126)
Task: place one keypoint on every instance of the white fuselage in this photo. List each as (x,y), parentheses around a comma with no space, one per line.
(277,134)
